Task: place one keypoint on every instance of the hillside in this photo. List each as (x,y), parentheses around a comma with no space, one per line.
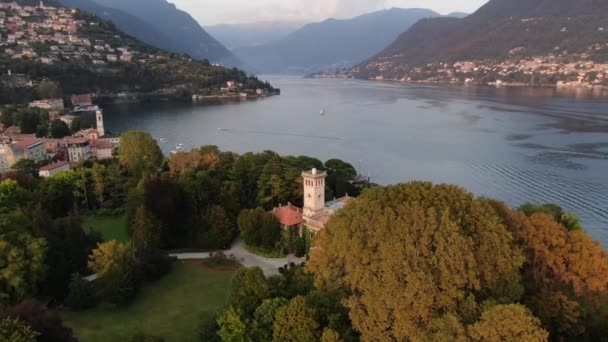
(178,31)
(82,53)
(554,34)
(333,43)
(235,36)
(125,22)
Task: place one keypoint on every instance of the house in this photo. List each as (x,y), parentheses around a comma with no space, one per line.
(316,212)
(33,149)
(84,100)
(53,169)
(79,149)
(47,104)
(289,216)
(68,119)
(9,155)
(102,149)
(89,134)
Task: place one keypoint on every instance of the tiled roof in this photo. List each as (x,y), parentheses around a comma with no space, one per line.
(289,215)
(54,166)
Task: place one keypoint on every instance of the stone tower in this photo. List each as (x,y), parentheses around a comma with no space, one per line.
(314,192)
(100,129)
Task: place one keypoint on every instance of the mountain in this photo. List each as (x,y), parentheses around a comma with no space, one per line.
(235,36)
(457,14)
(81,53)
(549,31)
(177,30)
(127,23)
(333,43)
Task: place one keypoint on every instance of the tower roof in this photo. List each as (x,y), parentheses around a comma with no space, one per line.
(314,173)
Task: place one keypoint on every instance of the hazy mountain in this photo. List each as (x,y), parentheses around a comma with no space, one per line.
(332,43)
(252,34)
(125,22)
(533,27)
(457,14)
(176,29)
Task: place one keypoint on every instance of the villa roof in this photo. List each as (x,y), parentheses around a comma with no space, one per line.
(289,215)
(28,142)
(54,166)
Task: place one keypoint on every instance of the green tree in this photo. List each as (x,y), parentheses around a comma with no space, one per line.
(233,326)
(406,254)
(513,322)
(140,337)
(21,264)
(259,228)
(48,90)
(26,167)
(249,289)
(81,295)
(120,284)
(12,195)
(139,153)
(263,318)
(76,124)
(295,322)
(15,330)
(98,172)
(45,322)
(59,129)
(145,231)
(218,229)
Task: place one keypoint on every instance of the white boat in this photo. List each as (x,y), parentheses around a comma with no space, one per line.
(322,111)
(173,152)
(180,145)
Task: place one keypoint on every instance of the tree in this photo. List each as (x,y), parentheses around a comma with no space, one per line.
(76,124)
(406,254)
(48,90)
(59,129)
(21,264)
(98,172)
(26,167)
(330,335)
(259,228)
(145,231)
(295,322)
(12,195)
(140,337)
(218,230)
(81,295)
(15,330)
(263,318)
(45,322)
(512,322)
(565,274)
(249,289)
(108,255)
(139,153)
(233,327)
(120,284)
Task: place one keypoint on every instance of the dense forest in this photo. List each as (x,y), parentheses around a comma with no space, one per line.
(413,261)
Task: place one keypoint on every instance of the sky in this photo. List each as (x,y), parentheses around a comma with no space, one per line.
(212,12)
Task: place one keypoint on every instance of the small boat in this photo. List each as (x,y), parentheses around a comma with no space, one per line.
(322,111)
(173,153)
(180,145)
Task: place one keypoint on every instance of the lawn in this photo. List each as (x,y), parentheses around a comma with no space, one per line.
(110,227)
(172,308)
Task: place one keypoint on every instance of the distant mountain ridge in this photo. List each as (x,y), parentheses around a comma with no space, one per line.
(235,36)
(333,43)
(499,30)
(161,24)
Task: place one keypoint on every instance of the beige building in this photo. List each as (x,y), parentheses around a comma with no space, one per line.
(47,104)
(79,149)
(9,155)
(33,149)
(102,150)
(53,169)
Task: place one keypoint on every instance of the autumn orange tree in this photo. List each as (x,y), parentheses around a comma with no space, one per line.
(565,274)
(410,255)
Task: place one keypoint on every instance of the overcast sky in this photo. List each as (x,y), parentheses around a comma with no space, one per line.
(211,12)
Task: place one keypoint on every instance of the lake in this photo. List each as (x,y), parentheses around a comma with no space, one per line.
(514,144)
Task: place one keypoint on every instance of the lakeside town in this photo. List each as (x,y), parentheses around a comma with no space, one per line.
(58,154)
(550,70)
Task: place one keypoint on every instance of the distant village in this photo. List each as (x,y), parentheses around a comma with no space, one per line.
(49,34)
(58,154)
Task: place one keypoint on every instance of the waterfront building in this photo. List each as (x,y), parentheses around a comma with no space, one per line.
(79,149)
(47,104)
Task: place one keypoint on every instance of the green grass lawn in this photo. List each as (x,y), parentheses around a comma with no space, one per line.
(110,227)
(172,308)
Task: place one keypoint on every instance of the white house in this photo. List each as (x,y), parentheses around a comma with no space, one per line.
(53,169)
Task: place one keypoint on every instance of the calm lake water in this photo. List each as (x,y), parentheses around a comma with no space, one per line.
(515,145)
